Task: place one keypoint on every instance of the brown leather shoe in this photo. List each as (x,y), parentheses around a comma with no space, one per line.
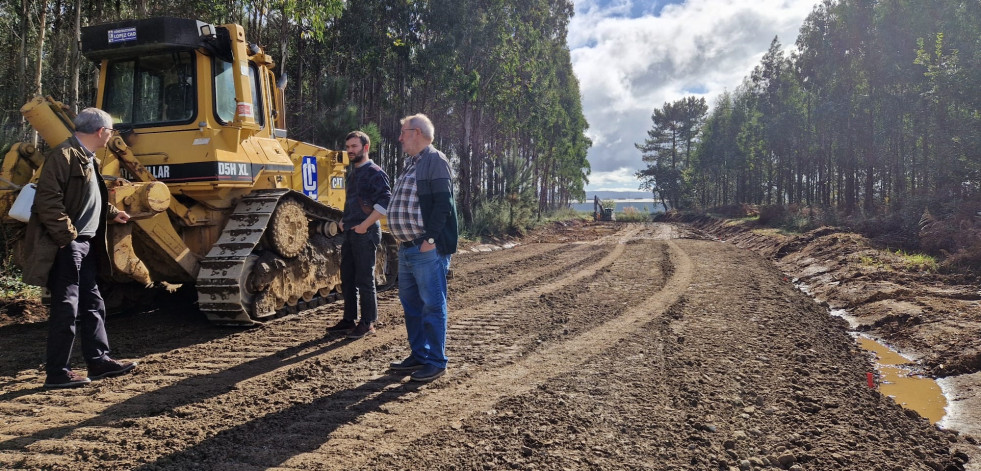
(361,330)
(69,380)
(109,367)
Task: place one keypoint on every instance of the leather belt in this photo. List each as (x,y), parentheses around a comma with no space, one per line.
(412,243)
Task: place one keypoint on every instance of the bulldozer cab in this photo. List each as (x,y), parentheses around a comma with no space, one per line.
(200,108)
(163,72)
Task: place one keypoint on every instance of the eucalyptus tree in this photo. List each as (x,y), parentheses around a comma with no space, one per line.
(768,87)
(875,108)
(713,159)
(950,63)
(464,68)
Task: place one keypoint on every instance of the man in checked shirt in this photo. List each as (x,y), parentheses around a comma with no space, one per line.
(422,216)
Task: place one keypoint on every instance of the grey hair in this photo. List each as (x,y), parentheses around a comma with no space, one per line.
(89,120)
(422,123)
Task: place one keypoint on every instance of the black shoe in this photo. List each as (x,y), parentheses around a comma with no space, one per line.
(109,367)
(341,326)
(361,330)
(427,373)
(70,379)
(409,364)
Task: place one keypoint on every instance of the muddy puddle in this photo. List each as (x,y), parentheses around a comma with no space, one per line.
(896,380)
(896,376)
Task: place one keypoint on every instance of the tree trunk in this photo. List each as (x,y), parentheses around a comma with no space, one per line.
(75,59)
(22,63)
(465,177)
(40,51)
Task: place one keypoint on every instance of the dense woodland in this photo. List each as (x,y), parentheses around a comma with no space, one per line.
(494,75)
(875,114)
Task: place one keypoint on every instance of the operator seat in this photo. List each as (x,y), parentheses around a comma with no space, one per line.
(178,102)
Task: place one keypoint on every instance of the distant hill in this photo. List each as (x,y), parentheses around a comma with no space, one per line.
(619,195)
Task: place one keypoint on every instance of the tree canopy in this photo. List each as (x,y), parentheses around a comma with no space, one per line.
(875,111)
(495,76)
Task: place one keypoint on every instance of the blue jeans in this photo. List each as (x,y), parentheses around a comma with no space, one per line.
(75,302)
(358,273)
(422,290)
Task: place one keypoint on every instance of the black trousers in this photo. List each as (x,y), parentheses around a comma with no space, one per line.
(358,273)
(76,305)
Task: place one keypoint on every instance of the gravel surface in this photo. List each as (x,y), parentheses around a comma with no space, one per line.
(585,346)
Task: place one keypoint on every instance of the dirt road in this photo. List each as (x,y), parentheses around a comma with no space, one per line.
(602,347)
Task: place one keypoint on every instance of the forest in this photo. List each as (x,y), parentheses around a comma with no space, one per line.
(873,117)
(495,77)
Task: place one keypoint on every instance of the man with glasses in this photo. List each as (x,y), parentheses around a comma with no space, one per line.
(68,227)
(422,216)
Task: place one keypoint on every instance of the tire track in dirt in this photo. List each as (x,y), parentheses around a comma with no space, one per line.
(86,419)
(362,393)
(493,382)
(98,423)
(505,280)
(508,271)
(479,337)
(604,369)
(743,372)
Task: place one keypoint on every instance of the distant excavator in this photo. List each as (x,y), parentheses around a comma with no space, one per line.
(601,213)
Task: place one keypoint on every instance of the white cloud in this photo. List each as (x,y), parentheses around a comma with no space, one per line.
(629,62)
(619,179)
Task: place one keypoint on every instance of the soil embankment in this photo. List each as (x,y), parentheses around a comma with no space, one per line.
(930,317)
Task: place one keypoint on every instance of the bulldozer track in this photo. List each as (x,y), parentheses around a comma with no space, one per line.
(222,284)
(219,283)
(507,271)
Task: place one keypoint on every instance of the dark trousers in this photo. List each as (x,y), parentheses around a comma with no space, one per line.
(358,273)
(75,304)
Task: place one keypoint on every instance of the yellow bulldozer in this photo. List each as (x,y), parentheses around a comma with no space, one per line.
(219,197)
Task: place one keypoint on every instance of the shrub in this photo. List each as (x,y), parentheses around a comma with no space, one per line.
(917,262)
(772,214)
(499,216)
(736,211)
(632,214)
(490,218)
(12,288)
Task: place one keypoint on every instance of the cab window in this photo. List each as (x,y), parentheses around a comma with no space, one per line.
(151,90)
(225,100)
(224,90)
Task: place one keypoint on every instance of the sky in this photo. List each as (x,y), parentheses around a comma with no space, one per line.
(632,56)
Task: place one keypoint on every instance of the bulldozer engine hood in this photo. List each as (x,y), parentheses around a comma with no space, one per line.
(132,38)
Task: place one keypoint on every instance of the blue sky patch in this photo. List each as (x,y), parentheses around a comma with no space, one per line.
(635,9)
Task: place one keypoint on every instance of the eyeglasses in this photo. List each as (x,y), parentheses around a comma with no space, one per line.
(112,131)
(408,129)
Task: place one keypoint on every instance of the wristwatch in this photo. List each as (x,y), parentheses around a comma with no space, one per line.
(431,241)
